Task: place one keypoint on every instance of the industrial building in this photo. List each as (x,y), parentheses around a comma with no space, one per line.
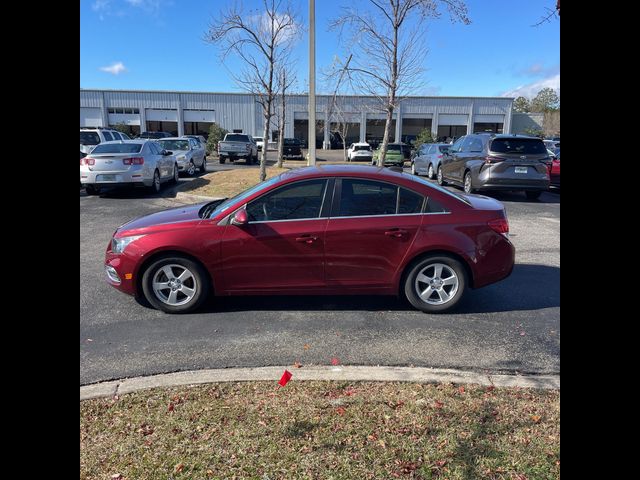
(183,113)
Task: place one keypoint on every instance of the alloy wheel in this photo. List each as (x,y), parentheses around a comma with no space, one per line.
(174,285)
(436,284)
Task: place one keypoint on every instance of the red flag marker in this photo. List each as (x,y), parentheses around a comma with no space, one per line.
(335,361)
(286,376)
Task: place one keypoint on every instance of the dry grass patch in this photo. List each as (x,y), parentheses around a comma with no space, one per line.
(228,183)
(323,430)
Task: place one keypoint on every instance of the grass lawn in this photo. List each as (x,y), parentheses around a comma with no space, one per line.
(322,430)
(228,183)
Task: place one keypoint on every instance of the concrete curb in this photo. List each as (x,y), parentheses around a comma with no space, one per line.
(188,197)
(345,373)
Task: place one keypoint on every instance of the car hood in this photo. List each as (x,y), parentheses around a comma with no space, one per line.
(173,215)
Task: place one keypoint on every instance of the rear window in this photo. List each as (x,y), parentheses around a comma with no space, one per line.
(117,148)
(361,147)
(518,145)
(174,144)
(394,148)
(89,138)
(236,138)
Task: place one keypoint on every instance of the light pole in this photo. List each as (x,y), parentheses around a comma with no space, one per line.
(312,83)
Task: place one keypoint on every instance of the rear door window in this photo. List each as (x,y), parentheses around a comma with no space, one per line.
(107,137)
(475,145)
(409,202)
(367,197)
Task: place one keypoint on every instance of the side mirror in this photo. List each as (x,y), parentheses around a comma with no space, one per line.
(240,218)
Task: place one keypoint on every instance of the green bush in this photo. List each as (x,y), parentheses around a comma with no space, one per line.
(121,127)
(424,136)
(216,134)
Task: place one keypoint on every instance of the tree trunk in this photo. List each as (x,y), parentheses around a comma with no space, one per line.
(281,127)
(265,138)
(387,133)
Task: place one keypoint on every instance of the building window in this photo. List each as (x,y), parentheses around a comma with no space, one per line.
(487,127)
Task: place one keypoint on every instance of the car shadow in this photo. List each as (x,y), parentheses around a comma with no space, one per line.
(167,191)
(529,287)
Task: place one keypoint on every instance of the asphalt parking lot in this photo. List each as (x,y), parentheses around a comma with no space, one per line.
(512,326)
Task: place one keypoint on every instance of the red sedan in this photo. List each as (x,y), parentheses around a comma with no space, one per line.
(331,230)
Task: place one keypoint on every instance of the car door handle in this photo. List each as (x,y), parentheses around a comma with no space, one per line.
(306,239)
(395,232)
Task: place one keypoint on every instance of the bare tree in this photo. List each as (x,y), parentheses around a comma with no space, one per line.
(551,13)
(284,82)
(388,48)
(336,107)
(262,40)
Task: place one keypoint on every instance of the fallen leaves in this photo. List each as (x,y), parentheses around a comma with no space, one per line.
(536,418)
(117,476)
(306,346)
(297,364)
(340,410)
(178,468)
(438,404)
(145,429)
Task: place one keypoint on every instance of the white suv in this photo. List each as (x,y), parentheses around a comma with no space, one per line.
(92,136)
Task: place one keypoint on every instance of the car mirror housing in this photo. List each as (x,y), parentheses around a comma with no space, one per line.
(240,218)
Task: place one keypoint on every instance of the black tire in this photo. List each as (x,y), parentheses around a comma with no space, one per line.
(468,184)
(156,186)
(430,174)
(176,174)
(203,167)
(222,160)
(91,190)
(191,168)
(255,159)
(201,284)
(441,180)
(421,265)
(533,195)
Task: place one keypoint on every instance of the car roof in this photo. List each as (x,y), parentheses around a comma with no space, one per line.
(171,138)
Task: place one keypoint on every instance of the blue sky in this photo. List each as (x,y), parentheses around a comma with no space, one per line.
(158,45)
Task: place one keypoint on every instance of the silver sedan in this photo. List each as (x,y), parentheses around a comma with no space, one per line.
(189,154)
(428,159)
(127,163)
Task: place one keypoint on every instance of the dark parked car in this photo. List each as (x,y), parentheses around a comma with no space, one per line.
(155,135)
(496,162)
(292,148)
(330,230)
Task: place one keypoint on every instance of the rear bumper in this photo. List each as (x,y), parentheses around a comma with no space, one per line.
(233,156)
(129,178)
(495,264)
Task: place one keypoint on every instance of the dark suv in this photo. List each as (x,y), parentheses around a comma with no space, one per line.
(487,161)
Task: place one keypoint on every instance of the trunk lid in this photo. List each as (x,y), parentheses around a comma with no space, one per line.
(111,162)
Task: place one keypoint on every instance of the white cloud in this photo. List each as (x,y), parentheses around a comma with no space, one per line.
(115,68)
(531,90)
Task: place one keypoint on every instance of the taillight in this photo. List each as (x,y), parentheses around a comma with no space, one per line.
(499,225)
(489,159)
(133,161)
(439,156)
(87,161)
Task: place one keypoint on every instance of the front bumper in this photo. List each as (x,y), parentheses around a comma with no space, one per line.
(124,268)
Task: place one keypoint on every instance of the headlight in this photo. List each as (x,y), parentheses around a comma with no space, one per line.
(119,244)
(181,158)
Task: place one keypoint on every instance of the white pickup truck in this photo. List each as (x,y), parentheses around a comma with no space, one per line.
(238,145)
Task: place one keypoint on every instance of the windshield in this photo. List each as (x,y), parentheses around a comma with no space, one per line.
(238,198)
(89,138)
(444,148)
(394,148)
(236,138)
(291,141)
(117,148)
(174,144)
